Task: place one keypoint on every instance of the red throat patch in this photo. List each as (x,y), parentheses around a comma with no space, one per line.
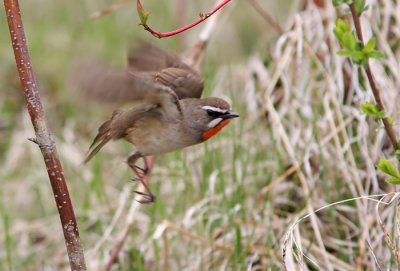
(215,130)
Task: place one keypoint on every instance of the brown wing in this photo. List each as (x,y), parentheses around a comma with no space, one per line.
(167,69)
(157,97)
(186,84)
(99,82)
(148,65)
(166,99)
(149,58)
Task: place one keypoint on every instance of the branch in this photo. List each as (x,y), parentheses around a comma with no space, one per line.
(44,137)
(375,90)
(144,17)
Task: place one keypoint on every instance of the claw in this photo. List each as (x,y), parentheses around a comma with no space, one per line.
(143,171)
(147,198)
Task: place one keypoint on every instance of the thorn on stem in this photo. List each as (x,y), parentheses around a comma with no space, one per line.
(34,140)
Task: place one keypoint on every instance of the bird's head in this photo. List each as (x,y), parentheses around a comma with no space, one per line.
(208,116)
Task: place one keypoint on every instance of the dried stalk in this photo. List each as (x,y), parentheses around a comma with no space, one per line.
(43,136)
(266,16)
(130,219)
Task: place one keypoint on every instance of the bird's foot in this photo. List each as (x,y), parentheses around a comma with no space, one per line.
(143,171)
(147,197)
(141,174)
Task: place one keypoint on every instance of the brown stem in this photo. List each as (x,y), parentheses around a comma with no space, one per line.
(266,16)
(375,90)
(44,138)
(357,23)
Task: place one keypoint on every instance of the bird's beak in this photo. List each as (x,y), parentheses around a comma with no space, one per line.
(230,115)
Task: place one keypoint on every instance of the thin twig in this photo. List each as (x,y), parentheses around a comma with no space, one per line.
(375,90)
(111,8)
(180,30)
(43,136)
(166,250)
(266,16)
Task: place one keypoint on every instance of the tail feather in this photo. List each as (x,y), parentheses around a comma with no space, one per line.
(103,136)
(96,149)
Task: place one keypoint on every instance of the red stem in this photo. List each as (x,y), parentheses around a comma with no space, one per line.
(172,33)
(44,137)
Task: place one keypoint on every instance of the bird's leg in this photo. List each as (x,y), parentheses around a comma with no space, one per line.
(148,197)
(131,162)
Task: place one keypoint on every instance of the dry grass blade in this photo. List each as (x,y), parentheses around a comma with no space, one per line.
(301,141)
(289,238)
(113,7)
(374,256)
(287,173)
(388,239)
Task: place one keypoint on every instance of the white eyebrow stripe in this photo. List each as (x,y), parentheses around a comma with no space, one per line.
(216,109)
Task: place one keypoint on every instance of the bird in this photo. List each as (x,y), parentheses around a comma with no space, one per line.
(172,115)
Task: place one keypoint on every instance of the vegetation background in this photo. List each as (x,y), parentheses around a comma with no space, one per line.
(301,143)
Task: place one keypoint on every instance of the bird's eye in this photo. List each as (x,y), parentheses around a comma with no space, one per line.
(213,113)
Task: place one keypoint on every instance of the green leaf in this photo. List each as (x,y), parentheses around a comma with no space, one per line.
(388,167)
(142,14)
(360,6)
(339,2)
(370,45)
(380,115)
(390,120)
(357,56)
(349,41)
(342,25)
(344,52)
(359,45)
(339,34)
(364,62)
(393,180)
(375,54)
(340,30)
(369,109)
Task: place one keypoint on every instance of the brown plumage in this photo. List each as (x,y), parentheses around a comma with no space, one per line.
(171,117)
(146,63)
